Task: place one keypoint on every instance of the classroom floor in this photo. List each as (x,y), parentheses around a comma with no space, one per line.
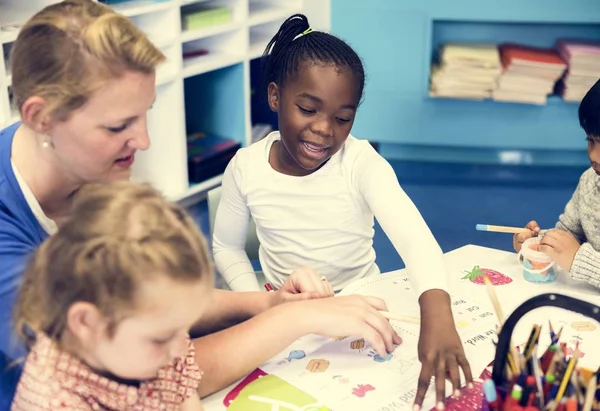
(453,198)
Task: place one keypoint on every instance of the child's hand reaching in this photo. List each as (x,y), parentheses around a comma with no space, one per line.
(303,284)
(352,315)
(440,350)
(561,246)
(519,239)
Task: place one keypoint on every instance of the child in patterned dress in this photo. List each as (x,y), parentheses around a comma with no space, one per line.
(110,299)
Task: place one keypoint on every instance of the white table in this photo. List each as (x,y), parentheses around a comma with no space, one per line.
(511,296)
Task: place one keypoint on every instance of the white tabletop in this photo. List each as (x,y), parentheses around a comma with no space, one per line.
(511,295)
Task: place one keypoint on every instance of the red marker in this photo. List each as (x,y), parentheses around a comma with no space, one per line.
(269,287)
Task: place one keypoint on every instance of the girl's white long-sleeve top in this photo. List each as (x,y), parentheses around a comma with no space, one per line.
(324,220)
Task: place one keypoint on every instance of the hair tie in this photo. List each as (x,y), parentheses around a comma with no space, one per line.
(304,33)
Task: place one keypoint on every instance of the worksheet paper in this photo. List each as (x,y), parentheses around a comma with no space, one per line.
(347,374)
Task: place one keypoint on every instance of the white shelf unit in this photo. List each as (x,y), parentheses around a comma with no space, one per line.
(207,93)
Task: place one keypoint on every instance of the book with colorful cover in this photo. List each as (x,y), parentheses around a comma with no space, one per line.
(208,155)
(512,53)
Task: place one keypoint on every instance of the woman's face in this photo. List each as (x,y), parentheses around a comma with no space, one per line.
(98,142)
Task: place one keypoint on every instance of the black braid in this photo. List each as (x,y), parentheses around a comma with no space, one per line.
(589,111)
(284,55)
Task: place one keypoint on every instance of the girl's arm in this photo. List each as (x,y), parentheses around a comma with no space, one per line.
(412,238)
(229,308)
(230,354)
(230,231)
(401,221)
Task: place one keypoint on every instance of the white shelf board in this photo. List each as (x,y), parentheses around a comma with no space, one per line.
(258,45)
(8,36)
(166,76)
(212,61)
(188,2)
(8,79)
(256,50)
(199,188)
(161,41)
(190,35)
(261,13)
(136,8)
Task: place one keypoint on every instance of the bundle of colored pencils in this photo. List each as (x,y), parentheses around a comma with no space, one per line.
(551,382)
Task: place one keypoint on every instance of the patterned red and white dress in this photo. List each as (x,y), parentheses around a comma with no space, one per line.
(55,380)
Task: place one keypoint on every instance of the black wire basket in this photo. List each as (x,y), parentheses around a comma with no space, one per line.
(499,375)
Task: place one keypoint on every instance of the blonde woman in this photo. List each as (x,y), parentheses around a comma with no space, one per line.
(83,80)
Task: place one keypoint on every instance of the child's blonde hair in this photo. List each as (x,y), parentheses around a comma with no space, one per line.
(67,50)
(117,235)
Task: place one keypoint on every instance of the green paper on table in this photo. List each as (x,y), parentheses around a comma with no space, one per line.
(270,391)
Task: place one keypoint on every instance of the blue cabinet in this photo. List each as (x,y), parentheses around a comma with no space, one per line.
(397,40)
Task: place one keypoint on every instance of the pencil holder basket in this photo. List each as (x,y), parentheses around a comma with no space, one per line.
(504,338)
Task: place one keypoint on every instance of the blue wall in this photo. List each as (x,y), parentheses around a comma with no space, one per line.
(397,40)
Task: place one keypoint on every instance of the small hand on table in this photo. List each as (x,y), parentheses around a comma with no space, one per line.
(440,349)
(303,284)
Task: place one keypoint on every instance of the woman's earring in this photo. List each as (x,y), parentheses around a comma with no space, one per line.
(47,143)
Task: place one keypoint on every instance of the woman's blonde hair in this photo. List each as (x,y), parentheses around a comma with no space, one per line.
(67,50)
(118,235)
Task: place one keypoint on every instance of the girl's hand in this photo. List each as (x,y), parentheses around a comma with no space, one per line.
(352,315)
(440,357)
(519,239)
(303,284)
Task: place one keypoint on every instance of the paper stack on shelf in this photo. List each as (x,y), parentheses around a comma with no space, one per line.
(583,59)
(465,71)
(529,74)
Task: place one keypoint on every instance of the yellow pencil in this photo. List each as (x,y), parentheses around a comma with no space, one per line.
(567,376)
(513,352)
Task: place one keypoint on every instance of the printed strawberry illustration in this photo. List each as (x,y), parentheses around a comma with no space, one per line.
(477,274)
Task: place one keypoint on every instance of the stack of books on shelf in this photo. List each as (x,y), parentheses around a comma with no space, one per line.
(465,71)
(529,74)
(208,155)
(583,59)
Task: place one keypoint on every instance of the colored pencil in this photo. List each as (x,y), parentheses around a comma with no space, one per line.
(504,229)
(400,317)
(500,315)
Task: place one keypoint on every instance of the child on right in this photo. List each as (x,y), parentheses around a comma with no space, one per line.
(574,244)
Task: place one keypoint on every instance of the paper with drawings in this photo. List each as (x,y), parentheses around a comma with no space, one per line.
(347,374)
(474,317)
